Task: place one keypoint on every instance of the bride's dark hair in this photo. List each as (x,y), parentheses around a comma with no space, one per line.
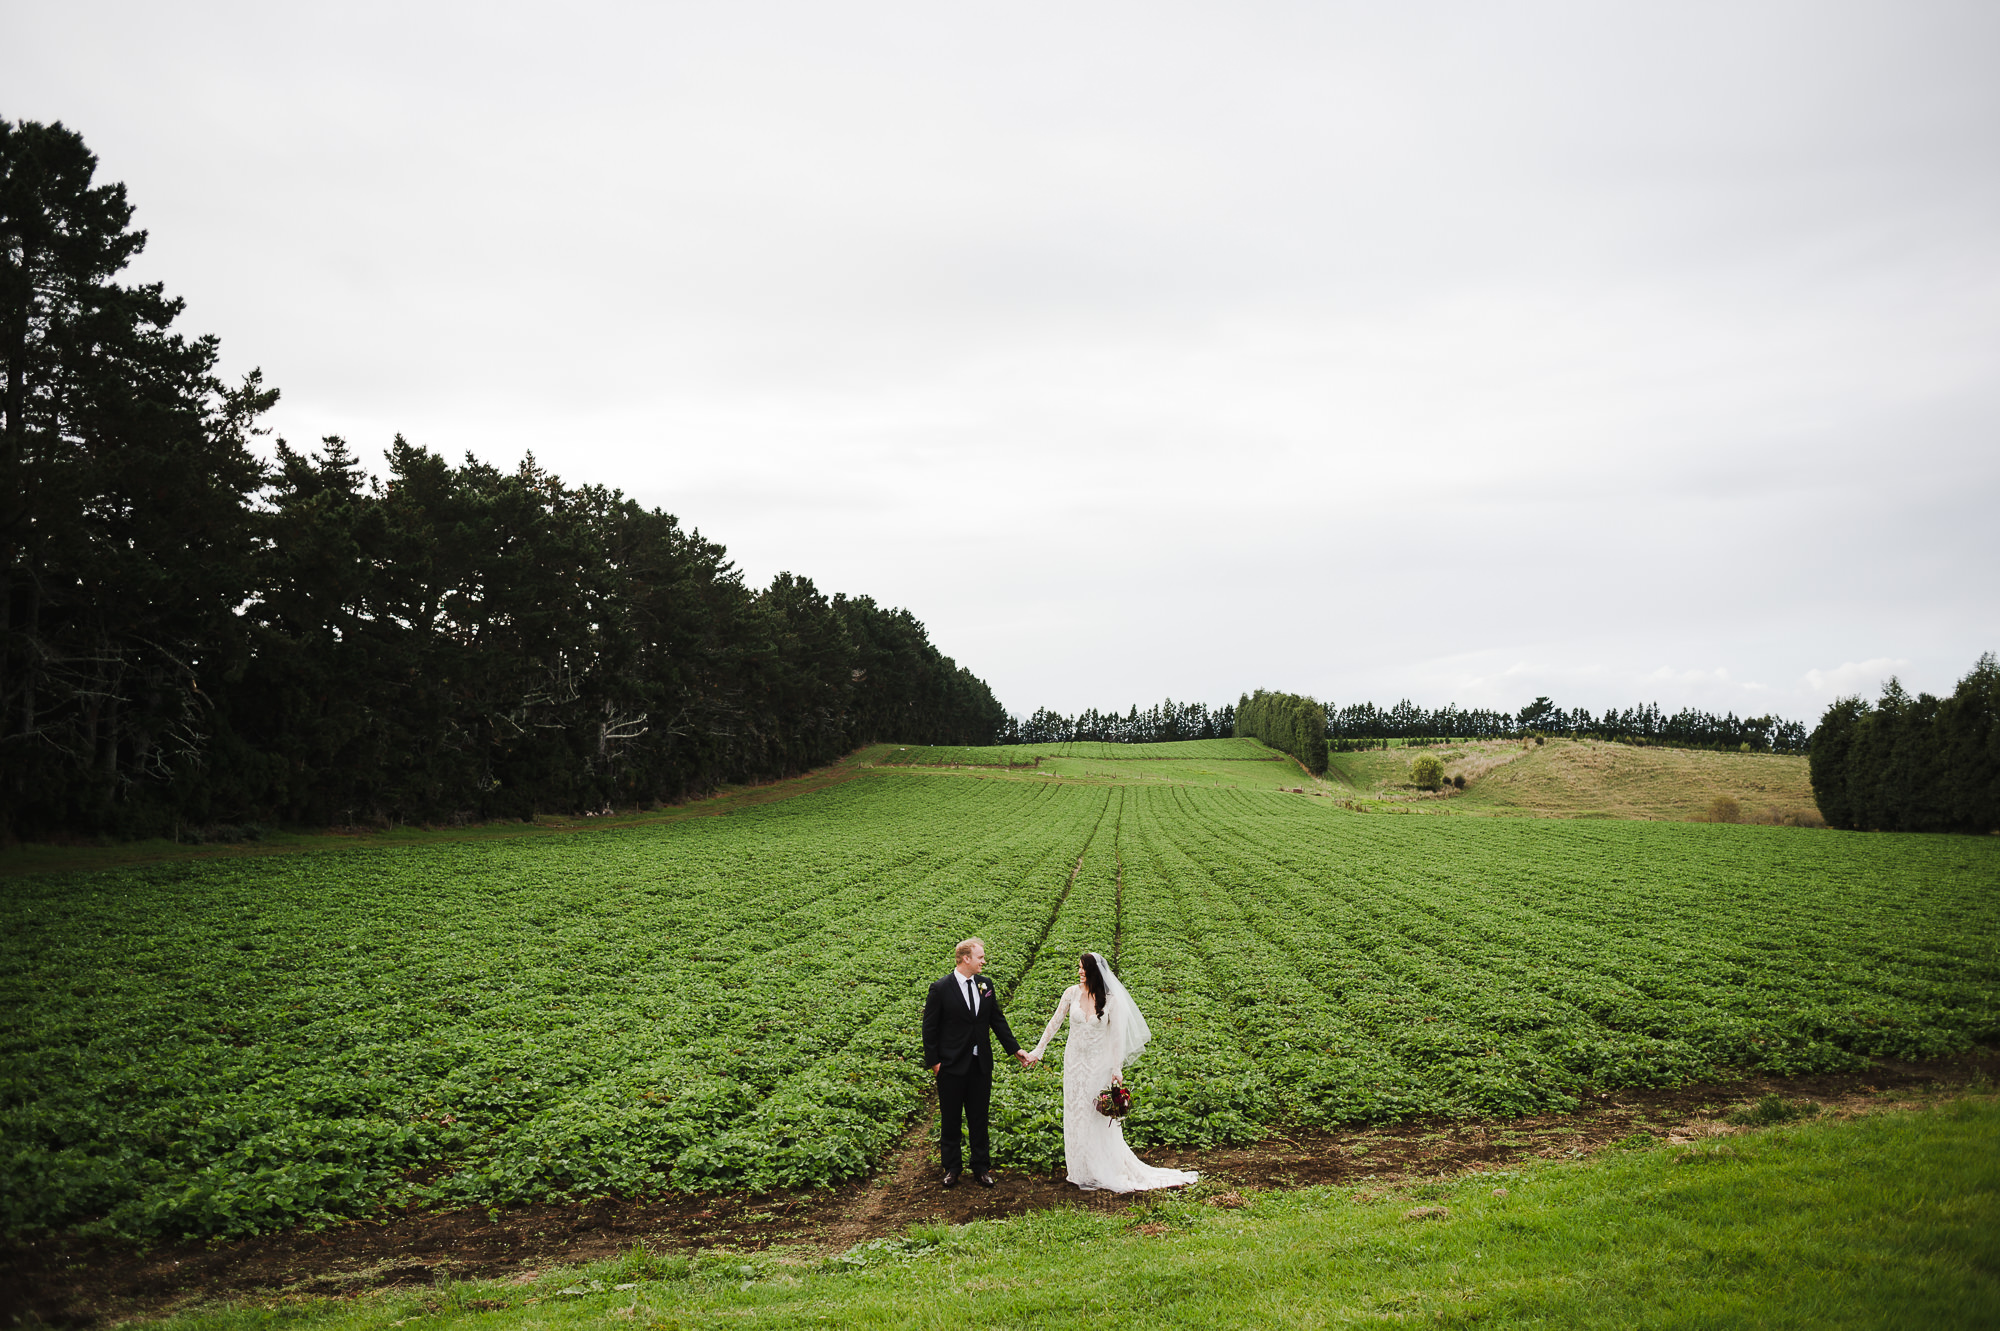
(1093,980)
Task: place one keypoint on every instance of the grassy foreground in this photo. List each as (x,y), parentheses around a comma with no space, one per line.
(1891,1220)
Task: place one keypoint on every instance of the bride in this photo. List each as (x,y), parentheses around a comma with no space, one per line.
(1106,1032)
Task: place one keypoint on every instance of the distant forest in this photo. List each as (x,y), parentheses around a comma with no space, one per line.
(1360,723)
(190,637)
(1161,723)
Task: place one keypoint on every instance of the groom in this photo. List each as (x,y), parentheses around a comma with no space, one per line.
(961,1017)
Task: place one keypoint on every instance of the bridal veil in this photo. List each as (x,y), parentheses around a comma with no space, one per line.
(1126,1020)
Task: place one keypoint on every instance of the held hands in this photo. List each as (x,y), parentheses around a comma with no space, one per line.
(1028,1060)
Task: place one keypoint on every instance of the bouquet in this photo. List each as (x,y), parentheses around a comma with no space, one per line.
(1114,1101)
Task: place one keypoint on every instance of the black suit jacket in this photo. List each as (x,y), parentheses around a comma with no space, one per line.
(951,1032)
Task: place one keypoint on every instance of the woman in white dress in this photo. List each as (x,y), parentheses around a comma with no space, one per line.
(1106,1031)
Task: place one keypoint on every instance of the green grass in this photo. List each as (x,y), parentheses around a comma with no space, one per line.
(1241,763)
(1892,1220)
(1002,755)
(1268,773)
(1368,773)
(29,858)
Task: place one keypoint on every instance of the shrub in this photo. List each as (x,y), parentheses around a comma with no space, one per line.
(1426,772)
(1723,809)
(1772,1108)
(1458,781)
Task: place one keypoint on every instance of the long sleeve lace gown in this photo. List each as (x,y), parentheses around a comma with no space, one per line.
(1093,1145)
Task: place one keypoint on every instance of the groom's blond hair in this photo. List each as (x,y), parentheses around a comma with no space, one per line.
(965,948)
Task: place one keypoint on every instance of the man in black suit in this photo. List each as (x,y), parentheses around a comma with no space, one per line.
(961,1019)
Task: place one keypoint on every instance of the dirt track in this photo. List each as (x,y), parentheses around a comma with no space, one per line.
(62,1281)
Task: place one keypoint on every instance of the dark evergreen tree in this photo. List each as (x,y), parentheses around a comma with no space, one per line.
(1165,722)
(1913,764)
(1363,725)
(1968,725)
(124,487)
(1828,762)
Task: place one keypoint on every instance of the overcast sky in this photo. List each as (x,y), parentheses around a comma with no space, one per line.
(1463,352)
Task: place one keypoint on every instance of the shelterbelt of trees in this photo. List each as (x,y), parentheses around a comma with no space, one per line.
(189,636)
(1289,723)
(1163,723)
(1907,764)
(1689,728)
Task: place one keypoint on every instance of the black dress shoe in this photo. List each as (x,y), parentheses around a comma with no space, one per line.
(951,1178)
(983,1180)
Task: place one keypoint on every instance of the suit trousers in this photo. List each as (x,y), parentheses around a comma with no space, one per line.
(971,1092)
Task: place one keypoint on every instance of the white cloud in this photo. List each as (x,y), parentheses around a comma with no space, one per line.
(1854,677)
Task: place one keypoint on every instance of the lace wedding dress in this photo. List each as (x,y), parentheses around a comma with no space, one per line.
(1099,1047)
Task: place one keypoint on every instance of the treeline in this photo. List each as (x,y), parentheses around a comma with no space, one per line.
(1361,724)
(189,636)
(1162,723)
(1287,722)
(1907,764)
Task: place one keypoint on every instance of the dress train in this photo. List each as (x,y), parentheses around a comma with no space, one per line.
(1094,1145)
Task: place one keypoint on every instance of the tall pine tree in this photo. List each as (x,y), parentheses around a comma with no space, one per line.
(125,482)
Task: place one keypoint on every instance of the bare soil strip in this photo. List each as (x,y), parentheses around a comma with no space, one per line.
(69,1282)
(877,1209)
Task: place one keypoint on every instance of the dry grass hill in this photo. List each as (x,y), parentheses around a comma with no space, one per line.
(1587,779)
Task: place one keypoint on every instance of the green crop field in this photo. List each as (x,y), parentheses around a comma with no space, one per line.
(1011,755)
(1240,763)
(230,1046)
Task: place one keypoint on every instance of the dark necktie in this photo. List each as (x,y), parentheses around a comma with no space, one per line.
(971,999)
